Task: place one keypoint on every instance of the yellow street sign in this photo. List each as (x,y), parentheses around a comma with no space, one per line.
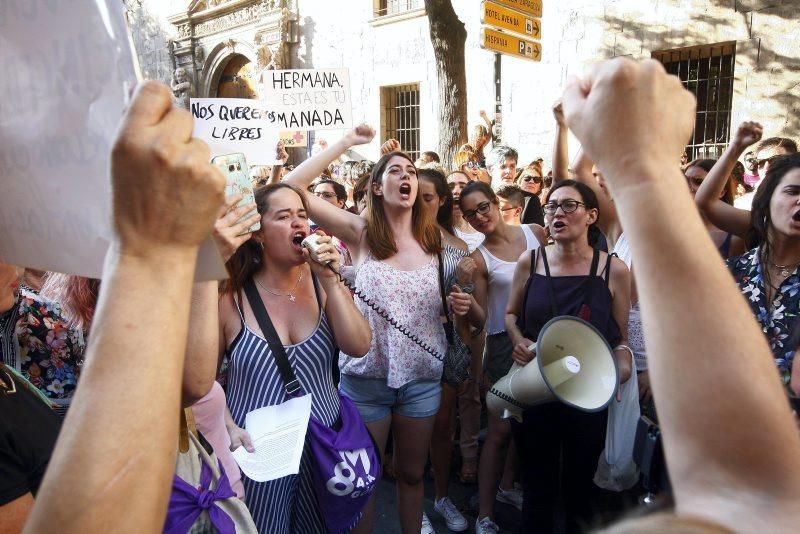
(532,8)
(506,43)
(498,16)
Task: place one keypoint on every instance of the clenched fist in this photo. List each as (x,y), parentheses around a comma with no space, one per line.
(629,116)
(165,192)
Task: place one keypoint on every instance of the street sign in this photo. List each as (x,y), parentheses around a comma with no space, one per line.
(532,8)
(498,16)
(505,43)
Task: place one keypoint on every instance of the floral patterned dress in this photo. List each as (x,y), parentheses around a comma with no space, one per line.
(36,340)
(777,318)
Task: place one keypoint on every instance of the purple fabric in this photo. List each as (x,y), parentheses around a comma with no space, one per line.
(346,467)
(186,502)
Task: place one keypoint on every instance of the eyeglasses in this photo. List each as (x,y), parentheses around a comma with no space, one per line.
(567,206)
(482,209)
(534,179)
(763,162)
(325,194)
(471,165)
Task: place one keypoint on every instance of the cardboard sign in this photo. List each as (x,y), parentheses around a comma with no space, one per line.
(236,125)
(308,99)
(72,67)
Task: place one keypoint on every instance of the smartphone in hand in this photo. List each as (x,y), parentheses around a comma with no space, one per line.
(234,167)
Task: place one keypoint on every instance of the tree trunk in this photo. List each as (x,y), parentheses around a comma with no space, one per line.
(448,36)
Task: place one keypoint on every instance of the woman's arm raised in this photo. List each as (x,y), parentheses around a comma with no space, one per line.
(724,216)
(345,225)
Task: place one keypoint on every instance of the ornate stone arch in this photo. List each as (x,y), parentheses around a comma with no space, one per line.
(217,59)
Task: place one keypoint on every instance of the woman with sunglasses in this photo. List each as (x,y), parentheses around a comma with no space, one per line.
(570,277)
(467,162)
(495,261)
(394,249)
(722,215)
(696,172)
(531,181)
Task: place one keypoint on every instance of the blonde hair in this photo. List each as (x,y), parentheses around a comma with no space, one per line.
(462,157)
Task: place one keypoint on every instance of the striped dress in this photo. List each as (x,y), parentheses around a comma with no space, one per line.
(287,504)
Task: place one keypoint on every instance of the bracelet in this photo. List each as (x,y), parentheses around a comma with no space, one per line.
(625,347)
(467,288)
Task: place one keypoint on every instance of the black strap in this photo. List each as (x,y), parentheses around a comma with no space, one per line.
(448,324)
(275,345)
(553,303)
(587,299)
(521,316)
(608,268)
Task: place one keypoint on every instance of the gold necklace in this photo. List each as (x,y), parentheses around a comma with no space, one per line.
(290,294)
(783,270)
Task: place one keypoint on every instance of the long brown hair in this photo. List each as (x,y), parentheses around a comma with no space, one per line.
(379,234)
(249,258)
(77,296)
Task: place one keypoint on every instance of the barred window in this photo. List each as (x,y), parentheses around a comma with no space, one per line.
(706,71)
(400,116)
(394,7)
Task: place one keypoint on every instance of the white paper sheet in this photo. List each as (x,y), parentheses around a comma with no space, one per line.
(67,69)
(308,99)
(278,434)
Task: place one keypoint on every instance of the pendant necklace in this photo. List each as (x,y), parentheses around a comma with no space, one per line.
(290,294)
(783,270)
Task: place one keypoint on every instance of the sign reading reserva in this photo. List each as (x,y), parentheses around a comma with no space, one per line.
(506,43)
(532,8)
(498,16)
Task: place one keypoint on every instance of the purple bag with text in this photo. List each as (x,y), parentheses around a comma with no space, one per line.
(346,467)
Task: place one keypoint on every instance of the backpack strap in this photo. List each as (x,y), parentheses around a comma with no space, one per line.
(275,345)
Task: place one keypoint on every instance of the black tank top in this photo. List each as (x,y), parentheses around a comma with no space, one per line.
(584,296)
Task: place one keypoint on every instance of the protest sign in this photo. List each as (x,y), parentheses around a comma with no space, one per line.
(72,67)
(230,125)
(306,99)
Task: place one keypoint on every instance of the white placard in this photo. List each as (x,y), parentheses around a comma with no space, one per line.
(67,69)
(306,99)
(230,125)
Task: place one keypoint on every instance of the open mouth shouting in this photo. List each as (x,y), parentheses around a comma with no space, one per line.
(297,239)
(558,225)
(405,191)
(796,216)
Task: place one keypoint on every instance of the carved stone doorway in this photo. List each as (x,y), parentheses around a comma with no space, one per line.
(237,79)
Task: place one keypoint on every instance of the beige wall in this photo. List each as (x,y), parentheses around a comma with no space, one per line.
(575,33)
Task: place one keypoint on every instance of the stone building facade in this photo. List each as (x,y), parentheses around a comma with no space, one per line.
(744,54)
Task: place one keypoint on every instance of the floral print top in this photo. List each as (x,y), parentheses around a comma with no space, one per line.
(36,340)
(413,299)
(778,318)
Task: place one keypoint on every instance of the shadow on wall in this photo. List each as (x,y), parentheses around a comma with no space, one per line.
(151,42)
(779,73)
(305,58)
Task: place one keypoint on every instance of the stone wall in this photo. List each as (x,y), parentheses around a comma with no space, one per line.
(575,33)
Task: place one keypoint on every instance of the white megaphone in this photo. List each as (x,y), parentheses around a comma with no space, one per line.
(574,364)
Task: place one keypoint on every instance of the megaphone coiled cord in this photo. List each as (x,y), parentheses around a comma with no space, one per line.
(508,398)
(386,317)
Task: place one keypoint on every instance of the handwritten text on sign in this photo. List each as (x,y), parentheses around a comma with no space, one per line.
(309,99)
(230,125)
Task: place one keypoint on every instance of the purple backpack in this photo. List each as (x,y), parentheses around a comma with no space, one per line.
(346,461)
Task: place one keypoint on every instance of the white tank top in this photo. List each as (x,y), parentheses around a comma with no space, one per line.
(472,239)
(635,329)
(501,274)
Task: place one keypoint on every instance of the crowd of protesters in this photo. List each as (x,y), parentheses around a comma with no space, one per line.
(430,280)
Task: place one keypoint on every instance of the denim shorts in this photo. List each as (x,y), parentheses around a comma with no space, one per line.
(376,400)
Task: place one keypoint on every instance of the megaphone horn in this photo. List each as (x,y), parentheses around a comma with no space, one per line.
(575,365)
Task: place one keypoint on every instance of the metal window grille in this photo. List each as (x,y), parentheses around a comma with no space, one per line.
(400,116)
(706,71)
(392,7)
